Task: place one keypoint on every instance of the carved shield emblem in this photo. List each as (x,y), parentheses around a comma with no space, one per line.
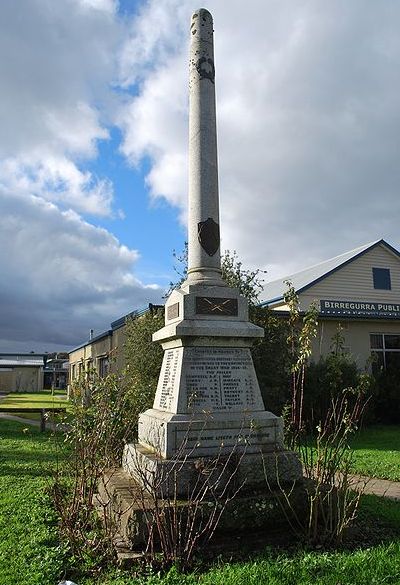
(205,68)
(208,234)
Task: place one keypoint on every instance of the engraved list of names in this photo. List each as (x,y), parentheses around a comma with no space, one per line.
(168,379)
(220,379)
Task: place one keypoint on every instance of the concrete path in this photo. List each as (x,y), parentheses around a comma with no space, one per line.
(28,421)
(377,487)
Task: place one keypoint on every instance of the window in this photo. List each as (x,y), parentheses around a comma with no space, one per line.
(381,277)
(385,351)
(103,367)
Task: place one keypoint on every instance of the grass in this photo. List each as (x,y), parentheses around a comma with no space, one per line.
(364,567)
(377,452)
(381,508)
(43,399)
(30,553)
(368,565)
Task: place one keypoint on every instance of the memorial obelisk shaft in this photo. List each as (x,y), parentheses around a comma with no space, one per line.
(208,401)
(204,258)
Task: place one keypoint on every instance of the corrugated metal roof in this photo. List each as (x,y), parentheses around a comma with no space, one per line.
(273,291)
(90,341)
(13,363)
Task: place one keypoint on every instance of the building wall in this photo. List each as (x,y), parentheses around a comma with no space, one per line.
(104,355)
(356,337)
(7,380)
(79,361)
(354,281)
(21,379)
(118,356)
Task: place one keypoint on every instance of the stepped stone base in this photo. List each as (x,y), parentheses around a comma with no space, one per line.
(131,510)
(209,435)
(175,477)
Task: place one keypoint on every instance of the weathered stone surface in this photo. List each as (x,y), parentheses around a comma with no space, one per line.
(187,322)
(131,510)
(209,434)
(204,260)
(208,379)
(234,468)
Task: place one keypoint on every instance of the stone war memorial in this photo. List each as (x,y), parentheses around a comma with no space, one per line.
(208,403)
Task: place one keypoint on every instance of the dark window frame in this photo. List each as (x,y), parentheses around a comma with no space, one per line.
(381,278)
(382,351)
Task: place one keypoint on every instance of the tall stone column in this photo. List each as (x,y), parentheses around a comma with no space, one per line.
(208,400)
(204,262)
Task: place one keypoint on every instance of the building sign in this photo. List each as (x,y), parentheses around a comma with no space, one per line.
(360,309)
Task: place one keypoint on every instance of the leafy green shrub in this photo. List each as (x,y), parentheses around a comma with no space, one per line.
(143,362)
(272,359)
(100,422)
(326,380)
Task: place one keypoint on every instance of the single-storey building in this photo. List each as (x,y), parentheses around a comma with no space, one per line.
(21,372)
(360,290)
(103,353)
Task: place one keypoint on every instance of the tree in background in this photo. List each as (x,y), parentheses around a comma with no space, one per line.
(143,360)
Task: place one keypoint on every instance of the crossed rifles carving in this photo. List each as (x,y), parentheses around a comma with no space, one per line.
(217,306)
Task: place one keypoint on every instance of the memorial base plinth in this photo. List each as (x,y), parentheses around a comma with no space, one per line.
(133,513)
(209,434)
(223,473)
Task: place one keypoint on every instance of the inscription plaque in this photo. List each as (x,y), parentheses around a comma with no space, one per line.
(216,306)
(228,437)
(173,311)
(220,379)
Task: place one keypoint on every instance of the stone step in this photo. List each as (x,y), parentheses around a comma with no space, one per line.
(133,513)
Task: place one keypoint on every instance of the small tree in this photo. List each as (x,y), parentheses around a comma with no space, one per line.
(249,282)
(272,359)
(323,442)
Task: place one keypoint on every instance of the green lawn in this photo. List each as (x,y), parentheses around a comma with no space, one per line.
(377,452)
(44,399)
(377,566)
(29,551)
(31,555)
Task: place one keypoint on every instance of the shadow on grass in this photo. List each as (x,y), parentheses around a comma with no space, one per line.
(377,438)
(18,430)
(7,471)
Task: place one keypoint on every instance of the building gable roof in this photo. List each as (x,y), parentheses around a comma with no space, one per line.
(308,277)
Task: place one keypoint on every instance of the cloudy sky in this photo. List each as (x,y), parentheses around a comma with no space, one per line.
(93,147)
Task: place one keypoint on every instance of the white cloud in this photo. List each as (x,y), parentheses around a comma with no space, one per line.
(308,122)
(61,275)
(59,180)
(55,288)
(60,61)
